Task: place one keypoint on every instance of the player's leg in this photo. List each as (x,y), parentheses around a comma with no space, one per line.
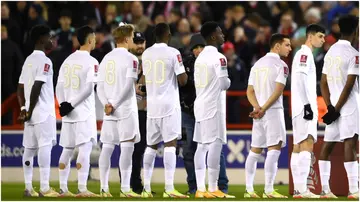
(258,141)
(213,162)
(46,135)
(351,166)
(153,137)
(104,168)
(200,166)
(129,134)
(304,162)
(109,137)
(294,167)
(30,144)
(83,165)
(64,170)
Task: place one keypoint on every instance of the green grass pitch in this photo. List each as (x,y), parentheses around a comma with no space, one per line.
(14,191)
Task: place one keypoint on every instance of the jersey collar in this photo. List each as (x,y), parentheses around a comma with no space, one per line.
(82,52)
(38,52)
(160,44)
(341,41)
(306,48)
(121,48)
(273,55)
(210,48)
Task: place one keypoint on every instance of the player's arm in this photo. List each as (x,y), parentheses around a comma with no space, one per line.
(325,89)
(345,92)
(279,89)
(179,68)
(222,73)
(59,89)
(21,98)
(131,77)
(250,93)
(88,89)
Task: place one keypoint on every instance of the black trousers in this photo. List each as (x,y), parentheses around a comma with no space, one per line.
(137,160)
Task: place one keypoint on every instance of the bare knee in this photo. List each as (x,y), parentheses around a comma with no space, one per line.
(307,144)
(275,147)
(154,147)
(172,143)
(296,148)
(326,150)
(62,166)
(256,150)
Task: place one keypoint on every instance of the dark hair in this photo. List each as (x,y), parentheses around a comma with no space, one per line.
(208,28)
(277,38)
(160,30)
(177,12)
(83,33)
(314,28)
(39,31)
(348,24)
(65,13)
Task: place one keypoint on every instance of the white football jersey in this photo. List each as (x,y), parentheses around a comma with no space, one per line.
(38,67)
(161,66)
(78,69)
(117,66)
(340,61)
(209,66)
(264,75)
(303,62)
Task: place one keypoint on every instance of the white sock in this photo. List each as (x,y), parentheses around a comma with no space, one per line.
(324,168)
(304,169)
(148,161)
(44,160)
(104,165)
(271,168)
(125,164)
(200,166)
(294,169)
(213,162)
(28,161)
(169,165)
(65,158)
(84,160)
(352,175)
(250,170)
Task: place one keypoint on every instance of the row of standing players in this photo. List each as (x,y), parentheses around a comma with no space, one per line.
(210,79)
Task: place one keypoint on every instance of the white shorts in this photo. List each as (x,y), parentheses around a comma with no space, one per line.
(128,128)
(41,134)
(269,130)
(303,128)
(163,129)
(209,130)
(109,132)
(343,128)
(75,133)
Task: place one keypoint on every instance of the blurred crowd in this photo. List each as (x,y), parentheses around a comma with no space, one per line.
(247,27)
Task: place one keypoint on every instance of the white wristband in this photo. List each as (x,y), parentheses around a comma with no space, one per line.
(23,108)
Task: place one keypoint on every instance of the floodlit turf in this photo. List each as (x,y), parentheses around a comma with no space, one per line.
(14,191)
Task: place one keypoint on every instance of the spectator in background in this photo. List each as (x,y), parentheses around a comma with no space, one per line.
(160,18)
(138,19)
(243,48)
(262,40)
(173,19)
(104,44)
(287,24)
(195,22)
(227,23)
(342,7)
(20,14)
(12,25)
(181,38)
(66,31)
(111,15)
(11,65)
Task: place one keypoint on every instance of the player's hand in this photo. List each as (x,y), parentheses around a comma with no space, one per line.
(253,113)
(138,89)
(109,109)
(308,113)
(22,116)
(28,116)
(327,118)
(260,114)
(65,108)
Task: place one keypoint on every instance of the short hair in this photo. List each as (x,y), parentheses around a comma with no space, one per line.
(39,31)
(160,30)
(177,12)
(65,13)
(348,24)
(314,28)
(208,28)
(277,38)
(83,33)
(123,31)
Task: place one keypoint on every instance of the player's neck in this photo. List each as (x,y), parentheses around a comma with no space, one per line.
(85,48)
(274,51)
(211,43)
(346,38)
(308,44)
(39,48)
(122,45)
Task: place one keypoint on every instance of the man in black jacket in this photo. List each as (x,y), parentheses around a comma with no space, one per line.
(187,99)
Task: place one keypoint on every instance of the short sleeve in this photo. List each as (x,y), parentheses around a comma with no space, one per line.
(132,69)
(354,65)
(221,67)
(282,74)
(21,78)
(96,71)
(178,64)
(91,74)
(251,77)
(325,69)
(303,63)
(43,71)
